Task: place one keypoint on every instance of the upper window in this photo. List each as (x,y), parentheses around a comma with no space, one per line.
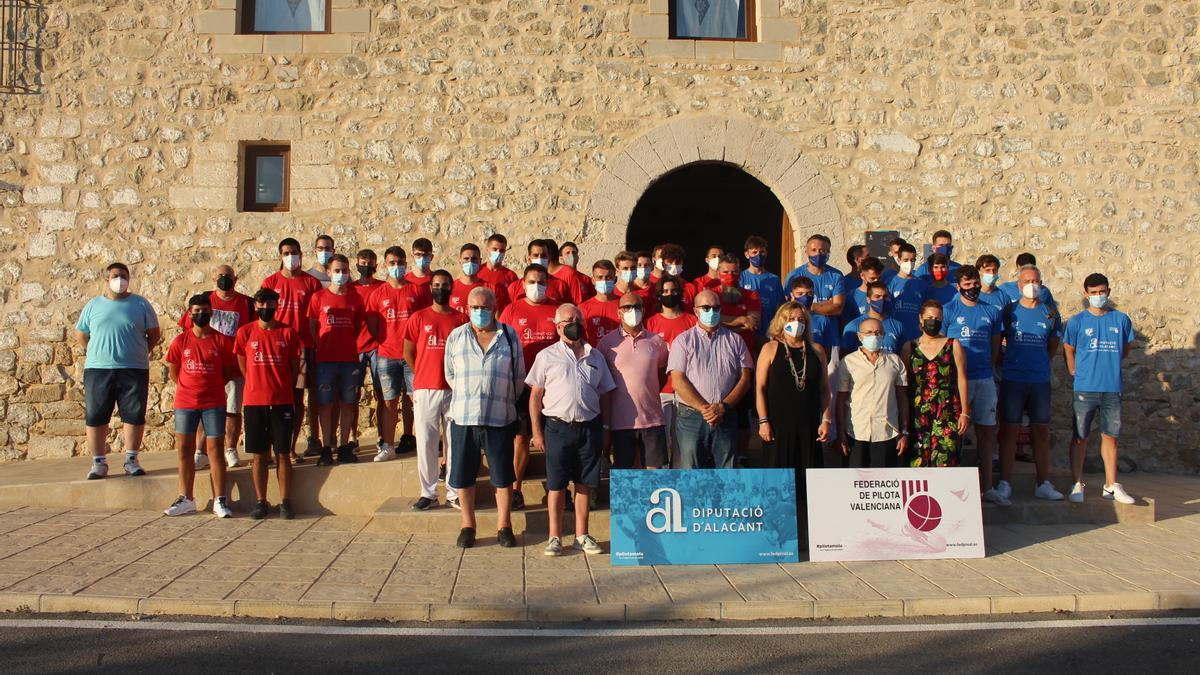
(286,16)
(266,186)
(712,19)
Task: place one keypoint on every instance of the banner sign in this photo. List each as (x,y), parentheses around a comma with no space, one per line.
(703,516)
(894,514)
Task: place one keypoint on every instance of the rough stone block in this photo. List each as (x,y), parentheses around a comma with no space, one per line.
(892,141)
(314,176)
(56,126)
(321,199)
(237,44)
(215,174)
(41,245)
(222,21)
(42,194)
(60,173)
(41,393)
(124,197)
(311,152)
(328,44)
(46,447)
(351,21)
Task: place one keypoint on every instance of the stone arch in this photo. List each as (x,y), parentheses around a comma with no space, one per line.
(760,151)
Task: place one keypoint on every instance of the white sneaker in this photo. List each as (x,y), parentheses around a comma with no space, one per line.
(553,547)
(132,467)
(385,454)
(1115,491)
(993,495)
(231,458)
(1004,489)
(98,471)
(1076,496)
(182,506)
(201,461)
(221,508)
(588,544)
(1046,491)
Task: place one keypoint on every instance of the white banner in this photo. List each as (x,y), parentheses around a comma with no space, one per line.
(894,514)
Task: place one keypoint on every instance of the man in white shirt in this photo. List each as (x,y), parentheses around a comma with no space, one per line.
(872,405)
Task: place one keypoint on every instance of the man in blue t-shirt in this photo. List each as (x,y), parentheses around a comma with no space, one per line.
(908,293)
(877,308)
(870,270)
(117,331)
(827,281)
(943,243)
(824,329)
(1032,331)
(1012,291)
(941,285)
(1095,343)
(766,284)
(976,326)
(989,273)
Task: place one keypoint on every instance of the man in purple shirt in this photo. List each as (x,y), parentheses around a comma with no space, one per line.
(710,369)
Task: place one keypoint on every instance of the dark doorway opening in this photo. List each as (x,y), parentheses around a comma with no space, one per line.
(706,204)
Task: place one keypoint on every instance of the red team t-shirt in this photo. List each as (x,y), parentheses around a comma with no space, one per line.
(228,315)
(339,318)
(570,278)
(500,277)
(534,325)
(556,291)
(461,291)
(294,296)
(599,318)
(668,330)
(366,341)
(420,281)
(749,302)
(202,363)
(268,353)
(393,306)
(428,329)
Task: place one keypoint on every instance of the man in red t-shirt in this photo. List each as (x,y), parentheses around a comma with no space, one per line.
(268,353)
(741,311)
(711,279)
(600,311)
(368,347)
(422,250)
(568,255)
(200,361)
(335,316)
(425,336)
(387,313)
(470,261)
(231,310)
(556,289)
(532,317)
(494,272)
(668,324)
(295,289)
(561,272)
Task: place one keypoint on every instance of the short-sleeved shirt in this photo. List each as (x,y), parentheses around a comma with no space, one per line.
(874,407)
(854,304)
(320,276)
(269,353)
(570,277)
(534,324)
(600,318)
(907,297)
(769,289)
(500,277)
(668,330)
(574,386)
(1027,333)
(943,295)
(1099,343)
(116,331)
(745,304)
(391,306)
(294,295)
(366,341)
(420,281)
(202,363)
(461,291)
(557,291)
(428,330)
(636,363)
(339,318)
(923,272)
(228,315)
(974,328)
(825,332)
(1012,292)
(891,335)
(827,285)
(997,298)
(711,362)
(485,382)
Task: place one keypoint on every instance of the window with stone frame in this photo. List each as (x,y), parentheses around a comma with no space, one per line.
(266,179)
(282,17)
(713,20)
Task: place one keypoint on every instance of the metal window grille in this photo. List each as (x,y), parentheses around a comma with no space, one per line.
(20,51)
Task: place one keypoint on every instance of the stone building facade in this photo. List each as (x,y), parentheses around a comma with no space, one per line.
(1067,128)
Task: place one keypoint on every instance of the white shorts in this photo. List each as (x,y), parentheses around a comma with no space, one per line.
(982,395)
(233,396)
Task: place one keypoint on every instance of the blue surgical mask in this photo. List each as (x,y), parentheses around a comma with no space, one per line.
(756,260)
(481,317)
(423,262)
(711,318)
(818,260)
(1097,301)
(470,268)
(396,271)
(643,273)
(806,300)
(496,257)
(945,249)
(323,257)
(877,306)
(627,276)
(989,279)
(872,343)
(539,261)
(605,287)
(339,278)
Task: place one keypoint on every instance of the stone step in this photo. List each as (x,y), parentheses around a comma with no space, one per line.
(396,515)
(1096,510)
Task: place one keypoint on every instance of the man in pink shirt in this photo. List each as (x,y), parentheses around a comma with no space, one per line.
(637,359)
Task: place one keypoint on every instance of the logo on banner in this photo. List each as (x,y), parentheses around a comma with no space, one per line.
(923,511)
(671,512)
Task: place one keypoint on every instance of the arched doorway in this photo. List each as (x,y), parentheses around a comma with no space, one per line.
(705,204)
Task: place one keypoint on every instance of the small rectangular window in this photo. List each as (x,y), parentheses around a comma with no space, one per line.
(266,185)
(712,19)
(286,16)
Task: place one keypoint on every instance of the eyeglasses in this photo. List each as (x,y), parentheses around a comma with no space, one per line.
(707,308)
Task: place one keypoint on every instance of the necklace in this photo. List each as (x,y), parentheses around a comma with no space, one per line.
(799,378)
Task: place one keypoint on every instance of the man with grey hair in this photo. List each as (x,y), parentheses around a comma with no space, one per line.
(569,411)
(485,370)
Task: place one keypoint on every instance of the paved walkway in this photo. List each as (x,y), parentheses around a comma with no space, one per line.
(54,560)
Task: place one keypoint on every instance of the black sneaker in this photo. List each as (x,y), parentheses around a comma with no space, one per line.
(313,449)
(424,504)
(506,538)
(325,458)
(518,500)
(285,510)
(408,443)
(345,454)
(260,510)
(466,537)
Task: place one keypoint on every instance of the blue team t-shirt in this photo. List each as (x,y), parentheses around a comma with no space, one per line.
(923,272)
(907,296)
(891,335)
(116,332)
(997,298)
(825,332)
(974,328)
(943,295)
(770,294)
(826,285)
(1027,331)
(1013,293)
(1099,343)
(854,305)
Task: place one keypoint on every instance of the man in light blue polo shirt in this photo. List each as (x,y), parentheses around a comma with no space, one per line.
(1095,343)
(908,293)
(827,281)
(117,331)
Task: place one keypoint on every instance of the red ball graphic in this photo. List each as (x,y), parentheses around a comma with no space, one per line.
(924,513)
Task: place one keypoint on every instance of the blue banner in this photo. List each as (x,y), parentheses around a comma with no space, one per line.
(703,516)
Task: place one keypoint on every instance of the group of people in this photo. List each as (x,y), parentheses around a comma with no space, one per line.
(626,362)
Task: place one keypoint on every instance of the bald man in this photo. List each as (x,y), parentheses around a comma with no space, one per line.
(231,311)
(872,402)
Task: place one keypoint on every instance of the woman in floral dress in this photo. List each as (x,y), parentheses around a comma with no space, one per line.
(938,382)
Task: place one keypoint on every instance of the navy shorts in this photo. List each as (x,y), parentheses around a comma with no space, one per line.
(1031,398)
(1088,404)
(338,382)
(123,388)
(573,452)
(650,443)
(468,442)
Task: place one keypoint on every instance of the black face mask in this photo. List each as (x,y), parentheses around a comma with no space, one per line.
(573,331)
(366,270)
(201,320)
(225,282)
(970,294)
(931,326)
(440,295)
(669,301)
(266,314)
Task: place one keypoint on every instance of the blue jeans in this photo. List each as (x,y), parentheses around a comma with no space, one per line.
(1087,404)
(702,446)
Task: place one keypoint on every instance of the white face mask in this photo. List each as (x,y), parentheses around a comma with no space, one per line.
(1031,291)
(291,262)
(906,267)
(658,264)
(631,317)
(794,328)
(713,263)
(674,269)
(118,285)
(535,292)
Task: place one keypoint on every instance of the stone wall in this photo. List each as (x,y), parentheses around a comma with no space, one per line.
(1063,127)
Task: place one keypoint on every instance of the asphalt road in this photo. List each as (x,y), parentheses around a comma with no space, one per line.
(163,645)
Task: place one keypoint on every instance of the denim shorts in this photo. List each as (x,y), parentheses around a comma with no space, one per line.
(338,381)
(982,395)
(370,364)
(1032,398)
(395,377)
(126,389)
(1088,403)
(187,420)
